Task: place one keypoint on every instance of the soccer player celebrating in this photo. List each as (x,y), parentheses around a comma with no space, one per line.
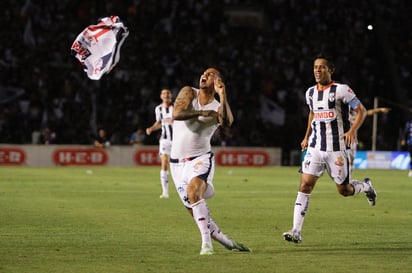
(328,138)
(197,115)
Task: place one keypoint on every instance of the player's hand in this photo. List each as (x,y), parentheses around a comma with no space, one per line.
(208,113)
(219,86)
(350,137)
(304,144)
(148,131)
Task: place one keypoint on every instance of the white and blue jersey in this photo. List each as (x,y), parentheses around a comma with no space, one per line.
(164,115)
(330,109)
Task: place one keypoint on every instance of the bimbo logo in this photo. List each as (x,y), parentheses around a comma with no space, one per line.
(80,157)
(324,115)
(12,156)
(79,49)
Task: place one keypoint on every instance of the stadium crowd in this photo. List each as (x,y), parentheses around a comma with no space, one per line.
(265,49)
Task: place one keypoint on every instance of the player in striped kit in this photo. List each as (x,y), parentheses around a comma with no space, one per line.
(328,138)
(164,121)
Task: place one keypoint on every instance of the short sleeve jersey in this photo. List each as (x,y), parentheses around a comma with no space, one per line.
(164,115)
(331,115)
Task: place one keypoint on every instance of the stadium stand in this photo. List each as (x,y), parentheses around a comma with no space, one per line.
(265,49)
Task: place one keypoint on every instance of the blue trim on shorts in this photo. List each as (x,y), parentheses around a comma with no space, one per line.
(206,174)
(177,160)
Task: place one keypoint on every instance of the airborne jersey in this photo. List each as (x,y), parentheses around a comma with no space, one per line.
(330,116)
(164,115)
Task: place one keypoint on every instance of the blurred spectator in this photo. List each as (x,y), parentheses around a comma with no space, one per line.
(138,137)
(35,137)
(48,136)
(101,140)
(407,142)
(266,55)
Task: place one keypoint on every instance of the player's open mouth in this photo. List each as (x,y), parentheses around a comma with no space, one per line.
(203,80)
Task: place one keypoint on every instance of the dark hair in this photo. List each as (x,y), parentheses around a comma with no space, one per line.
(331,65)
(220,71)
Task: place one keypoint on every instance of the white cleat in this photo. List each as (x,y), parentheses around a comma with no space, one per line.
(207,249)
(371,193)
(292,236)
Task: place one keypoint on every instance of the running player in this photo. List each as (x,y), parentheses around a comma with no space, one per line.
(328,136)
(164,121)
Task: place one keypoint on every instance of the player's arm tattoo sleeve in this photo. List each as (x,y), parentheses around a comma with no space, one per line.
(182,106)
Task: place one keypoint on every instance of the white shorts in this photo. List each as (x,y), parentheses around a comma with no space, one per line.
(184,170)
(335,163)
(165,147)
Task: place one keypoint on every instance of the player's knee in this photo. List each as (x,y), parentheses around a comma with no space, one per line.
(306,187)
(195,191)
(307,183)
(345,191)
(193,197)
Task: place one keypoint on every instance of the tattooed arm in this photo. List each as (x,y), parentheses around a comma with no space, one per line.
(183,108)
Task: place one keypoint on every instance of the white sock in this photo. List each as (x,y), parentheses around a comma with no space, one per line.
(301,206)
(359,186)
(218,235)
(201,217)
(164,180)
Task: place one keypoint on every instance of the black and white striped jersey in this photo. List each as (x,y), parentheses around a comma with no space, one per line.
(330,107)
(164,115)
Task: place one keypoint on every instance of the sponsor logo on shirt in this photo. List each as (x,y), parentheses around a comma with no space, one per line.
(324,115)
(168,121)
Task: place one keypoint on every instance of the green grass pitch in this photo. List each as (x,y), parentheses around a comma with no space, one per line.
(66,219)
